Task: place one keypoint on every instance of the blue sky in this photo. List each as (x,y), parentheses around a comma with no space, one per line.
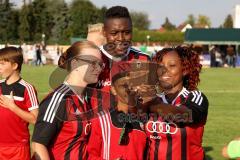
(176,10)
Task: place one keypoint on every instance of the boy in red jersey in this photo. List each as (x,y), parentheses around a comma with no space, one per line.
(115,133)
(18,107)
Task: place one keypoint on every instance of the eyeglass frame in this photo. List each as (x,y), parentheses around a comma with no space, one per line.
(93,63)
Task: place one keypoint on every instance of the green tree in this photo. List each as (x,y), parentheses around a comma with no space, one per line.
(82,13)
(61,22)
(24,27)
(12,25)
(102,12)
(168,25)
(203,21)
(228,22)
(140,20)
(191,20)
(6,17)
(43,19)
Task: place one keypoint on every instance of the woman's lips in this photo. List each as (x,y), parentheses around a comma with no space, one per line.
(165,78)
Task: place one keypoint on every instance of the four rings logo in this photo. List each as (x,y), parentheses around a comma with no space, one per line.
(161,127)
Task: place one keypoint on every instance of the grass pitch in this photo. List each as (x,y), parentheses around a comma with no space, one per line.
(221,86)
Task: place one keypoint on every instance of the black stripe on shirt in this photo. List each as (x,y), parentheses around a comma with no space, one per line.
(157,144)
(99,100)
(80,156)
(183,143)
(76,137)
(169,147)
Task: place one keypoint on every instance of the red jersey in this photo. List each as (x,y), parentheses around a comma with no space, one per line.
(100,98)
(179,137)
(60,126)
(14,130)
(105,134)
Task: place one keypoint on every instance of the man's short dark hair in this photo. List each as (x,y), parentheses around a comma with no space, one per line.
(117,12)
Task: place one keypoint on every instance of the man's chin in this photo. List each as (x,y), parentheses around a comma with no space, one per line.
(120,54)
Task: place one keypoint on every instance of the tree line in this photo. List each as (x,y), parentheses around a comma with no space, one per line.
(58,21)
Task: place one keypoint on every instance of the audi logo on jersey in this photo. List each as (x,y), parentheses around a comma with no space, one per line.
(161,127)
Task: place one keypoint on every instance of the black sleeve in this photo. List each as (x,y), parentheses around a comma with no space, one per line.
(197,102)
(49,122)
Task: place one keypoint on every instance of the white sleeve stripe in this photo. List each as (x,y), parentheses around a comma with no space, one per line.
(33,107)
(57,92)
(185,93)
(29,93)
(109,133)
(55,106)
(52,99)
(194,96)
(198,97)
(58,104)
(32,95)
(106,133)
(200,102)
(103,136)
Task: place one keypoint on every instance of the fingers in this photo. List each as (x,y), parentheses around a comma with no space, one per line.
(2,98)
(2,102)
(11,94)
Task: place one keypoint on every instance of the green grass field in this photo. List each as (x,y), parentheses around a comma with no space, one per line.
(221,85)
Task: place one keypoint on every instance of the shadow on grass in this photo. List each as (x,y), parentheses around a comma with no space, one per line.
(207,149)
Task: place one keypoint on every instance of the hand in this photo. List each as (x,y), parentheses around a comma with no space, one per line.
(132,96)
(146,93)
(7,102)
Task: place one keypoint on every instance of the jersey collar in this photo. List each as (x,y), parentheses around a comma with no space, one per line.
(80,97)
(112,57)
(163,96)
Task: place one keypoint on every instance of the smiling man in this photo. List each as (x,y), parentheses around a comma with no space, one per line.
(117,30)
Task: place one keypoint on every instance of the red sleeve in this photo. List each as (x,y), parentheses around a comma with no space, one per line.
(30,96)
(94,147)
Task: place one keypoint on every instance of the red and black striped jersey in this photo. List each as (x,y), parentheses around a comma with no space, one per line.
(105,134)
(60,126)
(102,94)
(179,136)
(14,130)
(131,55)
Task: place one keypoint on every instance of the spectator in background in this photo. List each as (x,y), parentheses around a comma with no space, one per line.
(212,56)
(231,57)
(38,55)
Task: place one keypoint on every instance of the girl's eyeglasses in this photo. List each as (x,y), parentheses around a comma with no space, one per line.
(93,63)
